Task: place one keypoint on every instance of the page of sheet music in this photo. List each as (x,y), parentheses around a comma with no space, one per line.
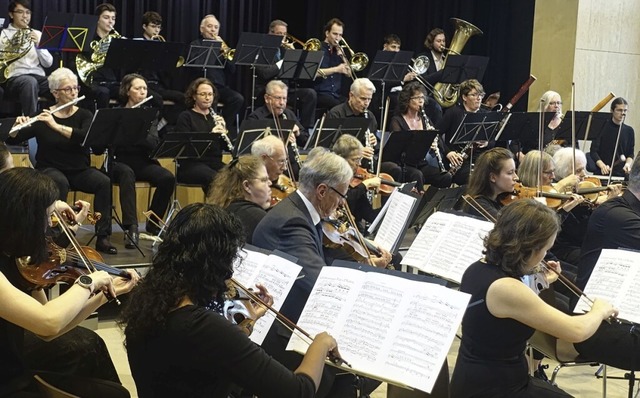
(387,327)
(615,278)
(275,273)
(395,220)
(447,244)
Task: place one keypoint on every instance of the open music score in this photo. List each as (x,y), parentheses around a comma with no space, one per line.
(615,278)
(447,244)
(275,273)
(388,327)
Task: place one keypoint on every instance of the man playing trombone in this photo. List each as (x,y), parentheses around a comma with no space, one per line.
(26,73)
(328,83)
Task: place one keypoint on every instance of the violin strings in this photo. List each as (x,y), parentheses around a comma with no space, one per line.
(359,236)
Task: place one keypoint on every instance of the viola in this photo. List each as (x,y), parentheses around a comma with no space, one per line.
(387,184)
(63,265)
(554,199)
(281,189)
(338,234)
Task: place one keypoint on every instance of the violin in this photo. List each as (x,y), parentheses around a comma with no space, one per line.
(387,184)
(63,265)
(237,308)
(281,189)
(553,198)
(338,234)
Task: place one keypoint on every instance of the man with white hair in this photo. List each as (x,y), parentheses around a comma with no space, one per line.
(271,150)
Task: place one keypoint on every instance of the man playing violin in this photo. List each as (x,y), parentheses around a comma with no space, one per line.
(271,150)
(29,199)
(294,226)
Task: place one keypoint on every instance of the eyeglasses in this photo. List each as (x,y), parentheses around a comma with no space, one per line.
(338,192)
(555,103)
(68,90)
(20,12)
(278,98)
(204,95)
(281,161)
(418,97)
(480,95)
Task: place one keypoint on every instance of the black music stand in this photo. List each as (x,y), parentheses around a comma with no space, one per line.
(436,199)
(67,32)
(252,130)
(5,127)
(463,67)
(206,56)
(334,128)
(389,66)
(116,127)
(523,126)
(408,148)
(149,55)
(300,65)
(479,126)
(598,122)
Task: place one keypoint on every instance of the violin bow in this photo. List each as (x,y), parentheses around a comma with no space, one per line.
(615,149)
(286,322)
(276,120)
(382,133)
(80,253)
(596,108)
(359,236)
(573,127)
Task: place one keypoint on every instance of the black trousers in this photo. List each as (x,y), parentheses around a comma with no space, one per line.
(89,180)
(127,171)
(196,173)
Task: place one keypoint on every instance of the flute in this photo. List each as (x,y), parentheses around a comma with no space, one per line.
(14,130)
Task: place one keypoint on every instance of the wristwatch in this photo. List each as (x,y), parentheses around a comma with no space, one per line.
(86,282)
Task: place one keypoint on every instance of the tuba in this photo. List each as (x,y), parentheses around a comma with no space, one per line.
(13,49)
(448,93)
(85,66)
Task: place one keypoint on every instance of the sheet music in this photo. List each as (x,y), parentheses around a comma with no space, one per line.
(387,327)
(615,278)
(447,244)
(275,273)
(395,220)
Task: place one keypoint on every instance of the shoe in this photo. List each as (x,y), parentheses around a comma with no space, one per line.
(103,245)
(132,237)
(540,373)
(151,228)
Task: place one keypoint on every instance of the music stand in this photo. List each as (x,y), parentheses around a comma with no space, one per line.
(67,32)
(150,54)
(436,199)
(389,66)
(117,127)
(334,128)
(598,121)
(206,56)
(522,126)
(252,130)
(464,67)
(5,127)
(300,65)
(479,126)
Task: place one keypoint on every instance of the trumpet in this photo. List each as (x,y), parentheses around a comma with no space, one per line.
(309,45)
(225,50)
(224,135)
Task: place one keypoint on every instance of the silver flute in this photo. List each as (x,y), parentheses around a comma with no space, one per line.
(224,135)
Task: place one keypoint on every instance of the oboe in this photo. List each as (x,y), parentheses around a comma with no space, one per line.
(224,135)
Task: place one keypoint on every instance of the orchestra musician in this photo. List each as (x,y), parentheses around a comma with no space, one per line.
(132,163)
(243,188)
(471,94)
(435,43)
(177,346)
(27,79)
(328,83)
(293,226)
(200,97)
(62,157)
(29,198)
(233,101)
(504,312)
(299,99)
(274,156)
(549,102)
(602,148)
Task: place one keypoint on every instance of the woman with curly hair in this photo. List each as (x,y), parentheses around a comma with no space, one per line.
(244,189)
(177,346)
(503,312)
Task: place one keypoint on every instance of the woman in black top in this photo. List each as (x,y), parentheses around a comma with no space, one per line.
(177,347)
(243,188)
(131,163)
(200,97)
(62,156)
(504,312)
(28,199)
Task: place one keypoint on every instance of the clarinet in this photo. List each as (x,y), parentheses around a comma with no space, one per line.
(224,135)
(294,146)
(463,152)
(367,142)
(436,150)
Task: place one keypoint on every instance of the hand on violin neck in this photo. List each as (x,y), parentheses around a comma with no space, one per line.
(122,285)
(81,209)
(570,204)
(372,183)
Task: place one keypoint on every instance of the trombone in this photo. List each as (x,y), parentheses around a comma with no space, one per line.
(309,45)
(358,60)
(419,67)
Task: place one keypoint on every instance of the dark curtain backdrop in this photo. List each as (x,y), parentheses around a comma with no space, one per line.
(507,26)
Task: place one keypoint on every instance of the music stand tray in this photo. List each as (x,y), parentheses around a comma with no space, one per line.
(482,126)
(252,130)
(184,145)
(300,65)
(390,66)
(409,147)
(464,67)
(334,128)
(205,56)
(5,127)
(257,49)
